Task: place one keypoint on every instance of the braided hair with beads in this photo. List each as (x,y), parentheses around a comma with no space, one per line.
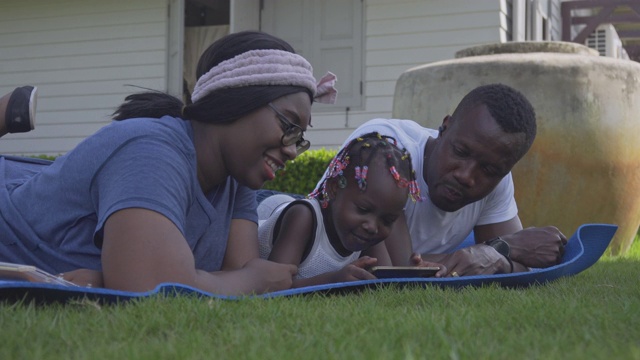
(359,153)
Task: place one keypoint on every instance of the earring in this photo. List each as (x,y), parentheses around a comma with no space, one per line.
(440,129)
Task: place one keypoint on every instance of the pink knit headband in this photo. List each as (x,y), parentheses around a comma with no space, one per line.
(266,67)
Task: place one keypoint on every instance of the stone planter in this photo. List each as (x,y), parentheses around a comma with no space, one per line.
(584,166)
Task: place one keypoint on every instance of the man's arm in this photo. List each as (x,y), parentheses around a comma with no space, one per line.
(486,232)
(537,247)
(481,258)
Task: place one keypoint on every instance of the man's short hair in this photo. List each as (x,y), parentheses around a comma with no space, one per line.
(509,107)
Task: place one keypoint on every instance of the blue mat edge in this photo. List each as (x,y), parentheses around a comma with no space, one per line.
(583,250)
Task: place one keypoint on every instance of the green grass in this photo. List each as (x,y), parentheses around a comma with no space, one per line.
(593,315)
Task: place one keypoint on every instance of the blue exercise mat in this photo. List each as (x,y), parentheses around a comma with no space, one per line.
(583,250)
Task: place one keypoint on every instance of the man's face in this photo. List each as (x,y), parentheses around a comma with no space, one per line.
(469,158)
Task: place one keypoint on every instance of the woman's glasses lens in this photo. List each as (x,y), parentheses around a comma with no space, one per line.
(291,136)
(292,133)
(302,146)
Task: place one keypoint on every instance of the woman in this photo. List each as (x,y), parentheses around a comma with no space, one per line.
(167,193)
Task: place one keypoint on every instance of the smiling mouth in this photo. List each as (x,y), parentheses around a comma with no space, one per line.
(273,165)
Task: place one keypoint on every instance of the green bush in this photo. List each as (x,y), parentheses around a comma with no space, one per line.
(45,157)
(301,175)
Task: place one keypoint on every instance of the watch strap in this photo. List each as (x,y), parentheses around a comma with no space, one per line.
(502,247)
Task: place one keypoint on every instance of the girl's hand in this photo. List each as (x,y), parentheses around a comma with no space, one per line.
(357,270)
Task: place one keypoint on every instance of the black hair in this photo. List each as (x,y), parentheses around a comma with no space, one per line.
(358,154)
(510,108)
(220,106)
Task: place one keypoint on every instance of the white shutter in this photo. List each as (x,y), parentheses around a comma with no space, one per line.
(327,33)
(519,16)
(287,19)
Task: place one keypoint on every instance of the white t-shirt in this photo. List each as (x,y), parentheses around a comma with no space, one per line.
(433,230)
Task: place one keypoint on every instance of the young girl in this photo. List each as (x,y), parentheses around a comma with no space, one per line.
(166,194)
(352,212)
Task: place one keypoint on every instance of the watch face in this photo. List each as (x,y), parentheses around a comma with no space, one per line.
(500,245)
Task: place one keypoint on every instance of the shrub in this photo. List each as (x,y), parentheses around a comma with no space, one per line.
(301,175)
(45,157)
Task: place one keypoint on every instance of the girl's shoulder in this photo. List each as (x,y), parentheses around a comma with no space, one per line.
(299,216)
(301,209)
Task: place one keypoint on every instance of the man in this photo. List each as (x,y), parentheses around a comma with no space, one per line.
(466,183)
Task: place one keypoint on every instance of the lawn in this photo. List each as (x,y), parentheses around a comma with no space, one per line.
(593,315)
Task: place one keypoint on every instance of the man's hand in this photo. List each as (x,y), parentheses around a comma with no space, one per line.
(537,247)
(416,260)
(473,260)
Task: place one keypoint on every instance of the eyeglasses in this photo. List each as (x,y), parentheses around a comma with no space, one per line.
(292,133)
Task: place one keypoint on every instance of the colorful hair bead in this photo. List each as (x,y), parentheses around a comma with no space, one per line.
(371,143)
(394,173)
(361,177)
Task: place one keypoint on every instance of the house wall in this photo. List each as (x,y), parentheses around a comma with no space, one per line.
(555,20)
(81,54)
(402,34)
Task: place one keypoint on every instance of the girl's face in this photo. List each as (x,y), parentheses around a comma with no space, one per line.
(252,147)
(363,219)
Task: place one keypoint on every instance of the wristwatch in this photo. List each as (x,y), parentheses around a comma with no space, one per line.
(502,247)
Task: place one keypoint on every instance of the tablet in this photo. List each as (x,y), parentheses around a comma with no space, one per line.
(387,272)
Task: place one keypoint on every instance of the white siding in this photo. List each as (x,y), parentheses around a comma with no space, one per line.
(81,54)
(401,34)
(555,20)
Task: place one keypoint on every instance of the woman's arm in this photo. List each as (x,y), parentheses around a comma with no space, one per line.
(143,249)
(242,245)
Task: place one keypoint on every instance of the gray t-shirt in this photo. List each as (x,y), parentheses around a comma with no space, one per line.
(52,216)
